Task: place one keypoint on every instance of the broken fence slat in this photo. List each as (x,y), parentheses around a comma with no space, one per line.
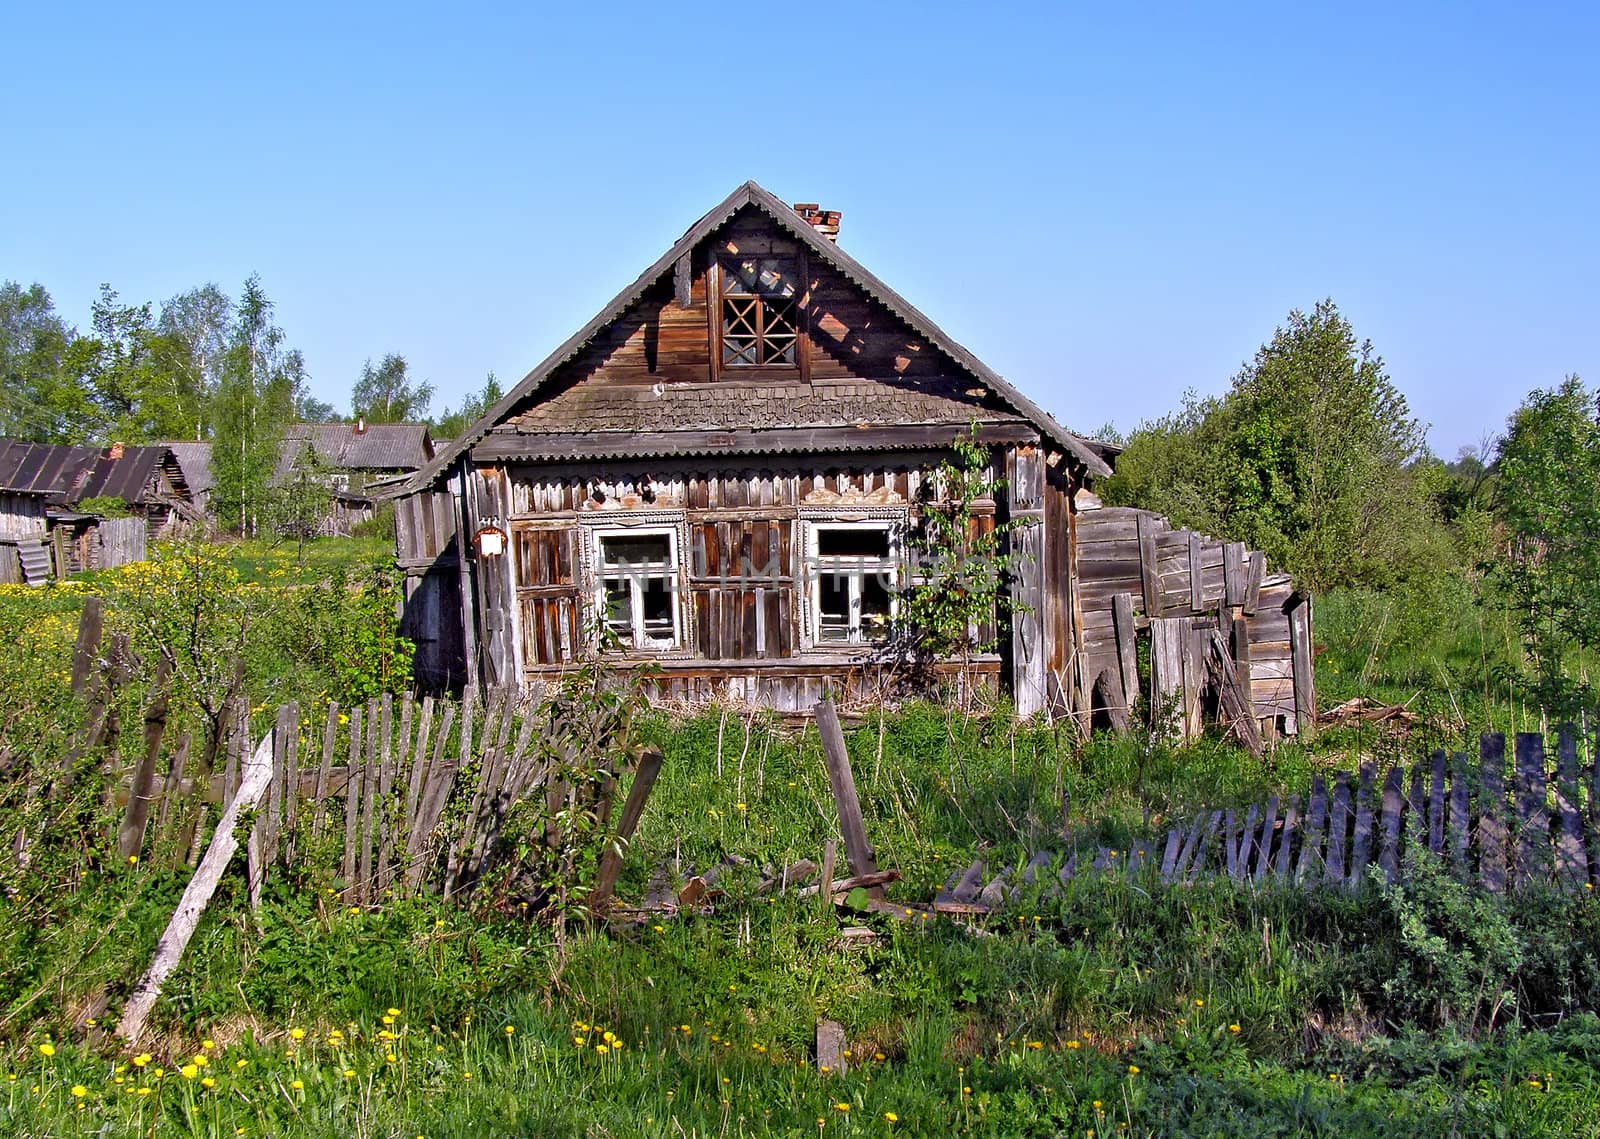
(1533,820)
(1338,828)
(1436,806)
(644,778)
(1361,844)
(319,796)
(1247,841)
(1269,820)
(1309,866)
(352,808)
(1393,801)
(1491,813)
(1572,864)
(1283,864)
(1459,829)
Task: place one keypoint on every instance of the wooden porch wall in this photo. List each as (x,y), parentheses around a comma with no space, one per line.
(1133,566)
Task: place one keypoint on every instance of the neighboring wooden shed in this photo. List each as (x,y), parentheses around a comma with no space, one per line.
(723,468)
(356,455)
(147,480)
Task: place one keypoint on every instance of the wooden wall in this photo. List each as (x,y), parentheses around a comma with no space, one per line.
(21,515)
(740,551)
(1133,566)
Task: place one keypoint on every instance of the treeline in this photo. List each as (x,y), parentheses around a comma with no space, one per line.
(1312,455)
(200,366)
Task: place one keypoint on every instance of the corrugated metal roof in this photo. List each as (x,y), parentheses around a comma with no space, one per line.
(752,194)
(66,475)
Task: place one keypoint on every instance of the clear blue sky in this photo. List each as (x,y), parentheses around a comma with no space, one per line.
(1107,203)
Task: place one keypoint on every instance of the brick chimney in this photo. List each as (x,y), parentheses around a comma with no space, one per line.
(360,425)
(115,452)
(826,222)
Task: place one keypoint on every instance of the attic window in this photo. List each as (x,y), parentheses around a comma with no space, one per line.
(760,312)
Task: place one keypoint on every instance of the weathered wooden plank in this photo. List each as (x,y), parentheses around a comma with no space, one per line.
(1361,844)
(1247,843)
(1127,648)
(644,778)
(857,849)
(1415,831)
(1393,800)
(1197,861)
(1305,700)
(319,797)
(1269,823)
(291,773)
(1230,844)
(1572,863)
(1309,867)
(1533,820)
(1283,862)
(1491,813)
(1149,576)
(435,793)
(1197,601)
(1254,572)
(1191,842)
(1436,803)
(1338,827)
(1169,859)
(419,763)
(966,891)
(130,835)
(386,778)
(169,793)
(1460,824)
(1233,581)
(369,798)
(91,626)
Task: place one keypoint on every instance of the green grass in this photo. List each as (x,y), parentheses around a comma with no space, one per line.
(1121,1006)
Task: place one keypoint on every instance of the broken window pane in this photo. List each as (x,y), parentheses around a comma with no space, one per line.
(834,608)
(852,542)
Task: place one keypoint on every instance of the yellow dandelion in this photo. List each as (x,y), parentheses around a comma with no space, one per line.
(207,1045)
(511,1029)
(842,1106)
(47,1049)
(142,1059)
(297,1034)
(1133,1069)
(208,1082)
(349,1073)
(79,1091)
(297,1085)
(1234,1028)
(188,1071)
(891,1117)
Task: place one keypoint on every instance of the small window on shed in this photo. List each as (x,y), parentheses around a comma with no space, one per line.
(760,312)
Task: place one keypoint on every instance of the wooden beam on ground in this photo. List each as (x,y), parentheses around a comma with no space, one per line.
(91,624)
(196,895)
(644,778)
(856,848)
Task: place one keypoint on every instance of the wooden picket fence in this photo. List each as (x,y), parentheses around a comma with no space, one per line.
(1540,827)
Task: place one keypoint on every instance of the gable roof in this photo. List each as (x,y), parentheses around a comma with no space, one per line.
(752,194)
(69,474)
(358,446)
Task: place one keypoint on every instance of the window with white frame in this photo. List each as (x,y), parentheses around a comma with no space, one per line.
(636,587)
(853,576)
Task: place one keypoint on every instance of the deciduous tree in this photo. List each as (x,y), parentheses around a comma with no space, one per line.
(386,393)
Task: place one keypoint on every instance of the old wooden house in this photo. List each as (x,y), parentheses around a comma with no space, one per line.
(722,470)
(353,457)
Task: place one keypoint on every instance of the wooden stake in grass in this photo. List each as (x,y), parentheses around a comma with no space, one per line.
(196,896)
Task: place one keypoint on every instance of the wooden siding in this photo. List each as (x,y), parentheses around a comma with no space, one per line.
(740,561)
(21,515)
(1167,573)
